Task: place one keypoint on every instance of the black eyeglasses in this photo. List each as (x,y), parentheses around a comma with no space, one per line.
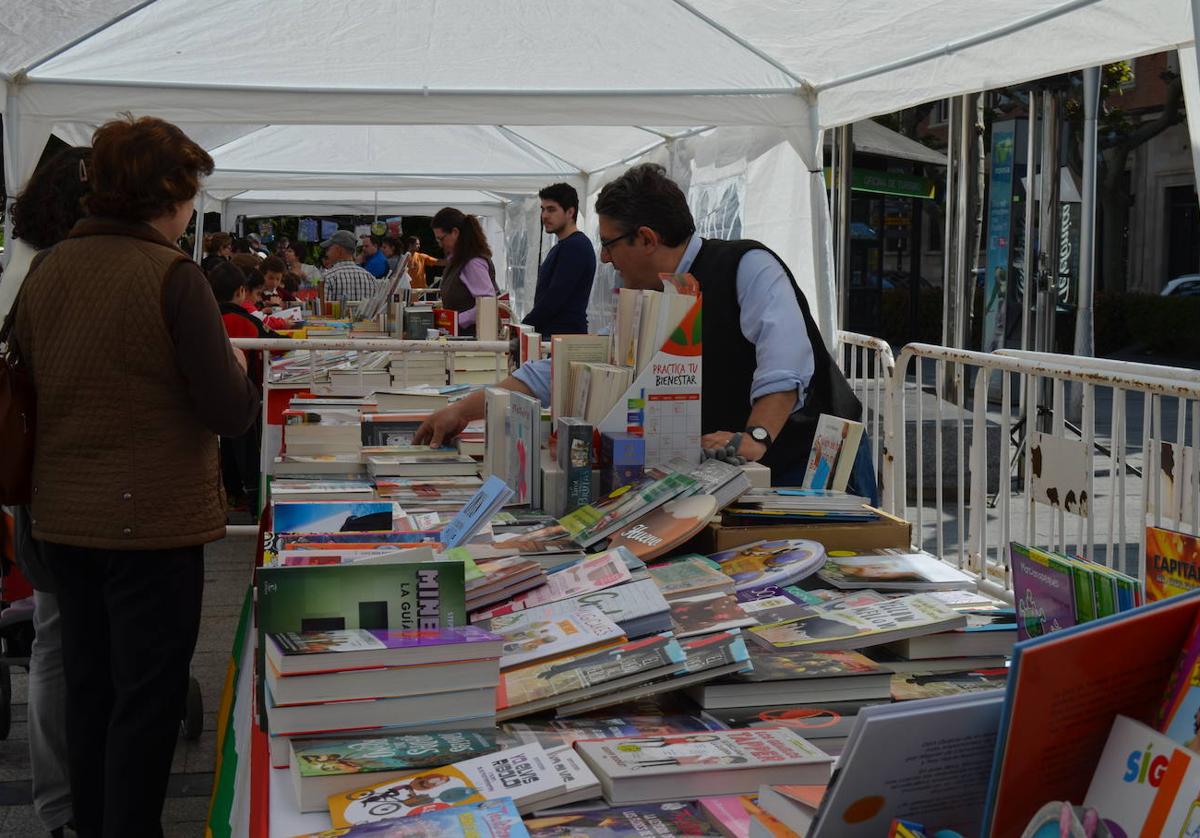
(607,245)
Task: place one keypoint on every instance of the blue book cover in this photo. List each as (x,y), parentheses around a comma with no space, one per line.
(479,510)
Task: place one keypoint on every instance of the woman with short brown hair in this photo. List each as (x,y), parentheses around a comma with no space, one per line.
(135,378)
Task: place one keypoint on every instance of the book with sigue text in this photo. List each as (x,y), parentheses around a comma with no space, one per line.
(524,773)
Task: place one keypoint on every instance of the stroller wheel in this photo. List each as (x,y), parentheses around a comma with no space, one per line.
(193,712)
(5,700)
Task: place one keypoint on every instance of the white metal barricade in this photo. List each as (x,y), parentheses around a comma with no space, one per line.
(868,365)
(979,496)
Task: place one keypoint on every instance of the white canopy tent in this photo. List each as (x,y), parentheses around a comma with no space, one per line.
(387,202)
(788,68)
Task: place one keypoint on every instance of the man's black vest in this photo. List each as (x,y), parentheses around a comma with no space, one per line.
(729,360)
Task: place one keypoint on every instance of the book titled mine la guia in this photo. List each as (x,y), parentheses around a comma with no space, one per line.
(1172,563)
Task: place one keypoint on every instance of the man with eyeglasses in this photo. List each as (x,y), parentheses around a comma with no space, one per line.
(767,373)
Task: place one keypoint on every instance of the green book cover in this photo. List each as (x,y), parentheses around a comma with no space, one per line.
(367,755)
(1106,592)
(367,595)
(1084,588)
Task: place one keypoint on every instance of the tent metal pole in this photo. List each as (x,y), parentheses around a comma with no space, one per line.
(832,182)
(1028,286)
(846,158)
(949,264)
(1048,238)
(198,243)
(964,275)
(12,163)
(1084,336)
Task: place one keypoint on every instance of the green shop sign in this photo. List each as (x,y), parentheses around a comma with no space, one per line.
(888,183)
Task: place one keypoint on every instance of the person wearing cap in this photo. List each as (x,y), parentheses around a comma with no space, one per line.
(345,279)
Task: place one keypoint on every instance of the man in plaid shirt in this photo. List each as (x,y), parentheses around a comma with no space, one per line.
(344,279)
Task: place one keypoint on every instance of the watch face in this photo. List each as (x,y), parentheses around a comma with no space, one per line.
(759,434)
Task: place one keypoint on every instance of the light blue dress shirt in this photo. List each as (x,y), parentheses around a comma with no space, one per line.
(770,318)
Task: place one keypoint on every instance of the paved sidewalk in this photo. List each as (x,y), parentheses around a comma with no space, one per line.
(227,573)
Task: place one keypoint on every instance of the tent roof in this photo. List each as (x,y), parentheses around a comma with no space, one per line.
(872,138)
(258,202)
(31,30)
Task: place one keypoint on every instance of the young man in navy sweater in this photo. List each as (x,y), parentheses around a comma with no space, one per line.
(564,283)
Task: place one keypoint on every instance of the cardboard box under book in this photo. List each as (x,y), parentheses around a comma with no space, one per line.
(887,531)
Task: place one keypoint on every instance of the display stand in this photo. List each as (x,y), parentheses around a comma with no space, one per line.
(663,402)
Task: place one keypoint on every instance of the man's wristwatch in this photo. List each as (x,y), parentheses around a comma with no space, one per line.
(760,435)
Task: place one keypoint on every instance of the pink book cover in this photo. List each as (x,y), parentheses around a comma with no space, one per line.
(728,814)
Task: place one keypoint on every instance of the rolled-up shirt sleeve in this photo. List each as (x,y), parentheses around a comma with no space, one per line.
(479,282)
(536,376)
(223,396)
(772,321)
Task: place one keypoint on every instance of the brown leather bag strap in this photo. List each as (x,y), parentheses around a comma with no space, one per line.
(10,320)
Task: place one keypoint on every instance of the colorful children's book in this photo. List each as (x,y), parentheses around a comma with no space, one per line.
(861,626)
(335,516)
(706,613)
(706,657)
(1145,784)
(770,562)
(894,572)
(834,448)
(1172,563)
(489,819)
(552,733)
(661,820)
(688,576)
(1115,665)
(729,813)
(1181,703)
(321,768)
(531,640)
(1043,589)
(544,686)
(637,607)
(524,774)
(594,573)
(652,769)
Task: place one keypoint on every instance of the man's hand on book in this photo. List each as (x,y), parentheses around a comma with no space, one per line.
(749,449)
(443,425)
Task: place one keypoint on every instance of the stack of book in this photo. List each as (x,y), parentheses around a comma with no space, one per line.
(483,368)
(416,369)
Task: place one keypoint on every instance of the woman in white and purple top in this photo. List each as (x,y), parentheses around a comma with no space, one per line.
(469,270)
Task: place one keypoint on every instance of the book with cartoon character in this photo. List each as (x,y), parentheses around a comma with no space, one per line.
(770,562)
(524,773)
(1044,591)
(321,768)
